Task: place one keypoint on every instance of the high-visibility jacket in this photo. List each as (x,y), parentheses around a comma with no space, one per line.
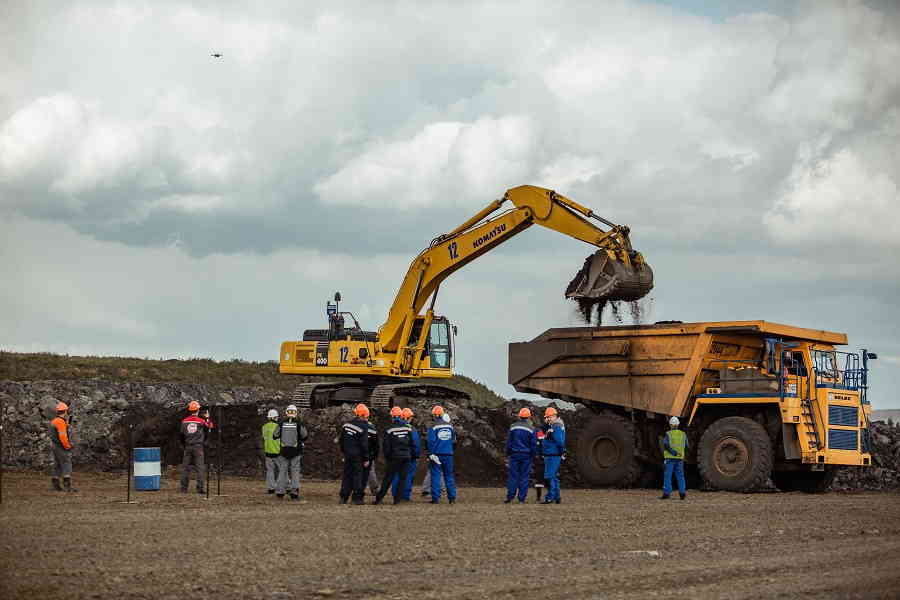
(271,446)
(674,444)
(59,433)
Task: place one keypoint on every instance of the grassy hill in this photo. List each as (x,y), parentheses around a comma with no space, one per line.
(233,373)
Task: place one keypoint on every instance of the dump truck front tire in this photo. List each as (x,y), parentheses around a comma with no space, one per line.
(735,454)
(606,451)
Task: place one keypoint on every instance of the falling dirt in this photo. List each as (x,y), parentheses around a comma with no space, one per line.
(590,310)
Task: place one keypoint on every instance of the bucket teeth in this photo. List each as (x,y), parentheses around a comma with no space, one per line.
(602,278)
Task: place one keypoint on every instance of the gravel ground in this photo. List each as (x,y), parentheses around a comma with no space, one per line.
(597,544)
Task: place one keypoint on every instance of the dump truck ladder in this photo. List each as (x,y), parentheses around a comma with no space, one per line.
(813,442)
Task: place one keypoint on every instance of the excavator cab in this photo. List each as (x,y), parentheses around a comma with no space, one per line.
(440,344)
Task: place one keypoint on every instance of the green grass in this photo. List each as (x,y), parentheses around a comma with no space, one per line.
(224,374)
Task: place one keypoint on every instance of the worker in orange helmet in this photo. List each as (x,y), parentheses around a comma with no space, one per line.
(402,486)
(521,446)
(194,431)
(61,439)
(441,445)
(553,447)
(354,442)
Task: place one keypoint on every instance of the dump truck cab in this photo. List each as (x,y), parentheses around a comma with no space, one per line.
(758,399)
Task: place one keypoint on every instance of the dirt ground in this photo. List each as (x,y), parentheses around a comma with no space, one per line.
(597,544)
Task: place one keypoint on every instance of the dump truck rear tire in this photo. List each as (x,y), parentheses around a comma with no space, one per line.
(735,454)
(810,482)
(606,451)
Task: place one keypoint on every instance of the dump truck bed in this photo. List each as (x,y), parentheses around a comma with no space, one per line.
(647,367)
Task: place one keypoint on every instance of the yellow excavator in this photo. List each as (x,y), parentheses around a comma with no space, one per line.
(374,367)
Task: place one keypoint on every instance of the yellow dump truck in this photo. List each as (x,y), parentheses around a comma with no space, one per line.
(757,399)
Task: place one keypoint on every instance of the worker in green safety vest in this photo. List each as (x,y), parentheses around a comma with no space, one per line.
(673,445)
(272,450)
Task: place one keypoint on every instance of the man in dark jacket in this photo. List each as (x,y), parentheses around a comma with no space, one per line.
(521,446)
(194,431)
(291,433)
(398,451)
(354,442)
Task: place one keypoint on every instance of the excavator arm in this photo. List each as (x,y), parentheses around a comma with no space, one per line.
(614,272)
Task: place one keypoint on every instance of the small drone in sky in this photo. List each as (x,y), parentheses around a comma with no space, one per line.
(216,55)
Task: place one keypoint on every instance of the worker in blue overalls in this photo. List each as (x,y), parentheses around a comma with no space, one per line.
(521,446)
(441,442)
(673,444)
(401,487)
(553,446)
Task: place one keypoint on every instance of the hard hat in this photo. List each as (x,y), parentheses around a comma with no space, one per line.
(272,414)
(674,421)
(62,407)
(290,408)
(550,411)
(524,413)
(446,417)
(407,413)
(361,410)
(193,406)
(438,410)
(396,411)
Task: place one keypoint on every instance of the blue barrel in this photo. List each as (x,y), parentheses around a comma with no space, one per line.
(146,469)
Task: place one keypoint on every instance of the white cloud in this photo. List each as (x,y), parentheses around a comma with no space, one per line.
(834,201)
(477,160)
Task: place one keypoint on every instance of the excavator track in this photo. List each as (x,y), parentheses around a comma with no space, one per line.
(383,395)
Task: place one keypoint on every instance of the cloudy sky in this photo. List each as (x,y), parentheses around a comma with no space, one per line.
(156,201)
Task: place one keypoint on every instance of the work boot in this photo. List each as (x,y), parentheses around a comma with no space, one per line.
(378,500)
(426,493)
(54,481)
(270,491)
(359,502)
(451,500)
(558,500)
(435,501)
(547,501)
(201,491)
(683,496)
(344,500)
(279,496)
(295,496)
(67,484)
(664,497)
(507,501)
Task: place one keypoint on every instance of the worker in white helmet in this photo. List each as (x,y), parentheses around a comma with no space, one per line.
(271,450)
(291,433)
(674,445)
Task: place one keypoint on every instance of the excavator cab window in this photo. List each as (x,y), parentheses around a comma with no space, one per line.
(439,344)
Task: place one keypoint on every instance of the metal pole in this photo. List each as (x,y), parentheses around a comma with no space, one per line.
(128,467)
(219,455)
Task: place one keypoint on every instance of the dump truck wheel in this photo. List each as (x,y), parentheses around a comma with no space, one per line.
(810,482)
(735,454)
(606,451)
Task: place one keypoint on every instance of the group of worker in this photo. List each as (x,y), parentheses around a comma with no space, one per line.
(401,446)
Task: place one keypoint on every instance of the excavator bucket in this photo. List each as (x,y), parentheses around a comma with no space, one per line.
(604,279)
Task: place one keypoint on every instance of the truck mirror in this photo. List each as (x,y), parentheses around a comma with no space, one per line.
(871,356)
(454,330)
(337,296)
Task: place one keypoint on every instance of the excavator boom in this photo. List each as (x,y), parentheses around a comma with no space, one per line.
(614,272)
